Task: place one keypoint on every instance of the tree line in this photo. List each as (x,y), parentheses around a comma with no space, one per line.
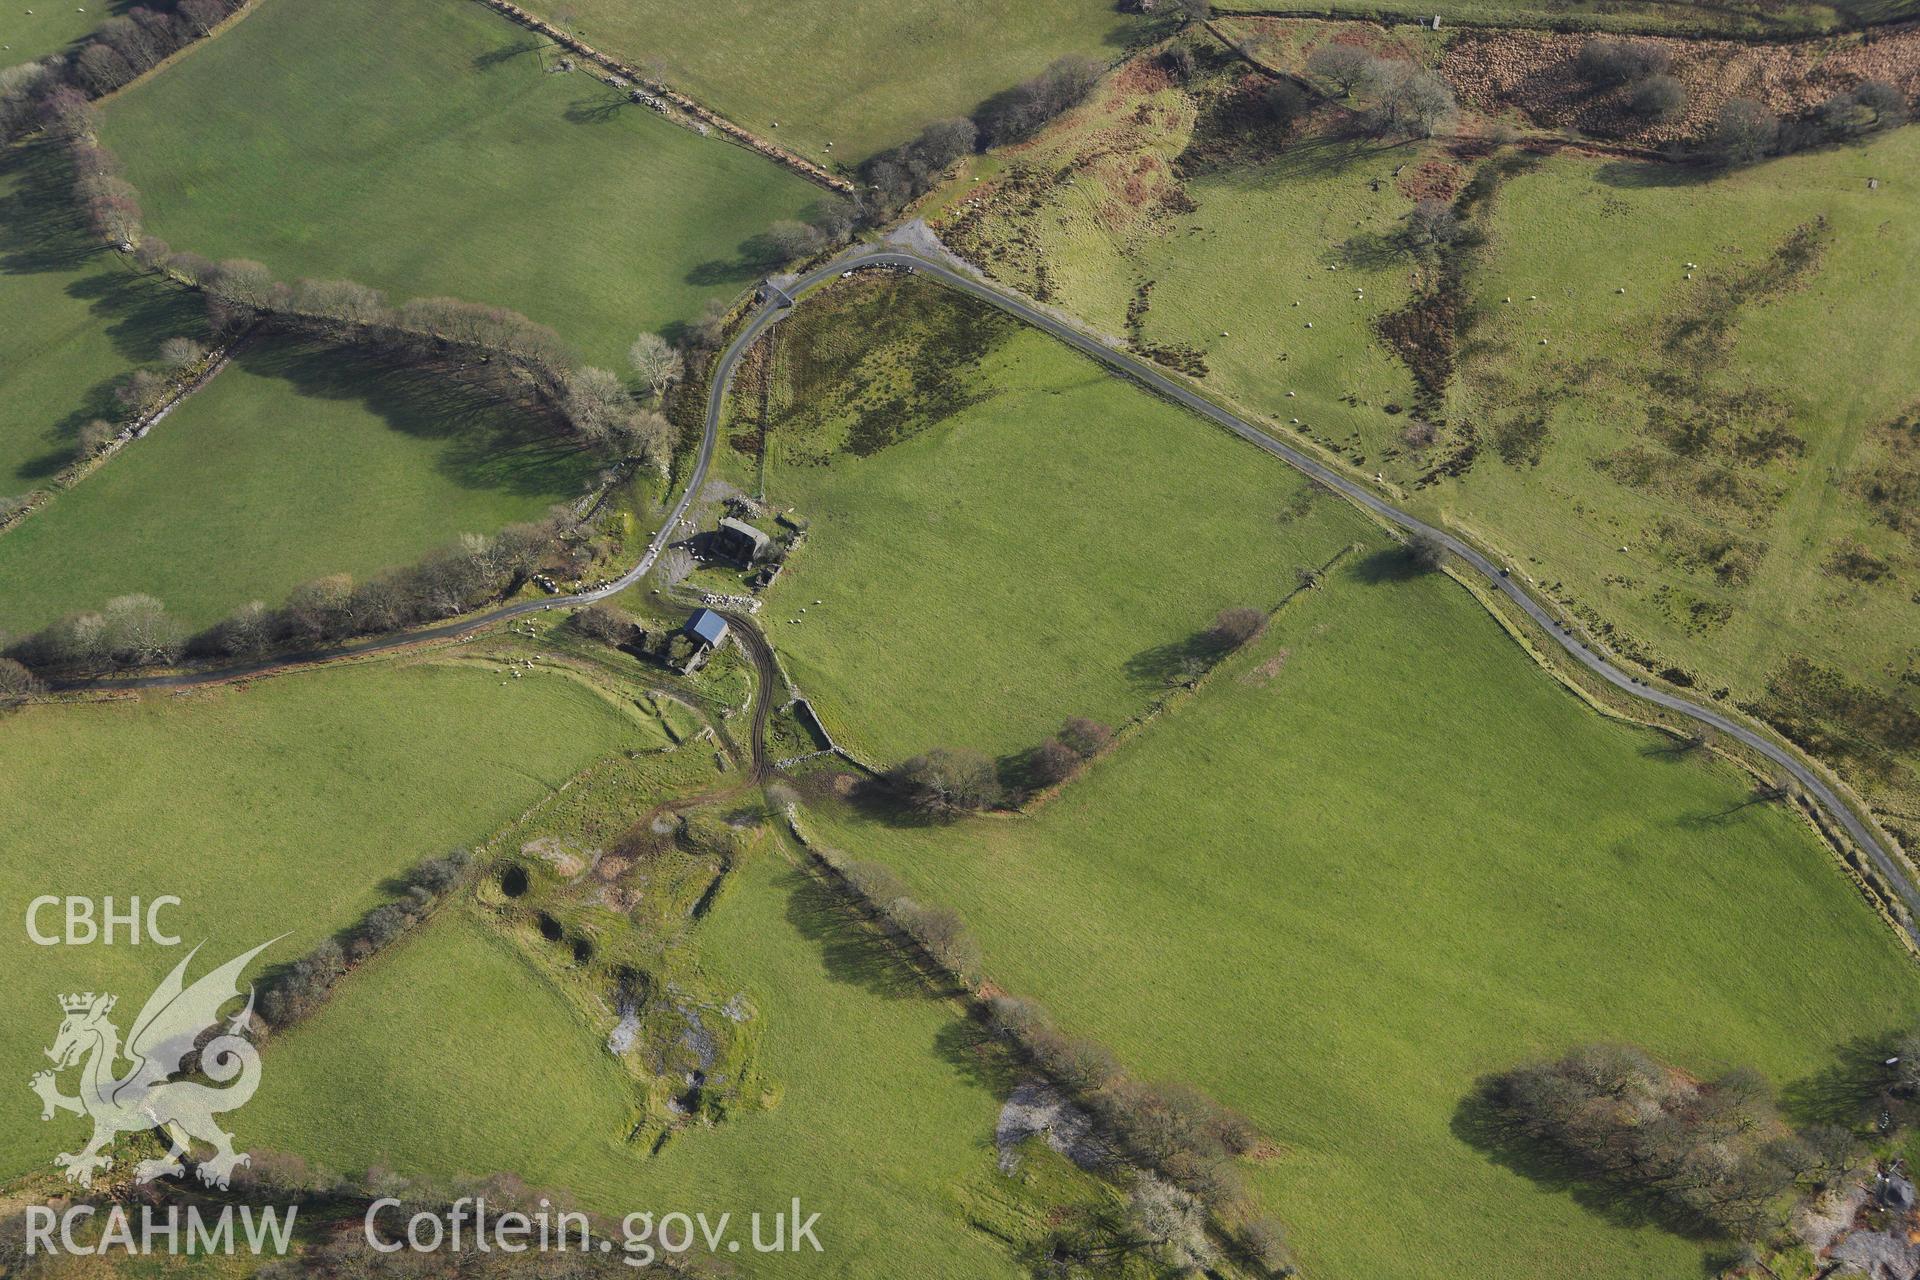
(121,49)
(134,631)
(893,179)
(301,988)
(946,783)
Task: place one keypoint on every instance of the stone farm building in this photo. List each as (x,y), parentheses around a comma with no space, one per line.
(740,541)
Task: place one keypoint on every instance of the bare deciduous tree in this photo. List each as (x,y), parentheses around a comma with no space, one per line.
(654,361)
(17,684)
(1347,66)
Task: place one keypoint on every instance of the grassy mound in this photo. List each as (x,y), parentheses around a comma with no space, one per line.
(1043,550)
(279,807)
(1379,855)
(293,463)
(446,156)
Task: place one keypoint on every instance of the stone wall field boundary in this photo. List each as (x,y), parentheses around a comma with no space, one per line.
(754,142)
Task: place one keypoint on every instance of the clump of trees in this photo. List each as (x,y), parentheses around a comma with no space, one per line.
(945,783)
(1233,628)
(1640,66)
(1187,1138)
(1745,131)
(1869,105)
(607,624)
(1430,227)
(1658,99)
(1348,66)
(1084,737)
(1405,99)
(1426,552)
(895,178)
(130,631)
(1067,752)
(1713,1151)
(302,987)
(1019,112)
(1608,62)
(656,362)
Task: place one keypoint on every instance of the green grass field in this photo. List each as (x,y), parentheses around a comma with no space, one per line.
(27,33)
(1053,536)
(1685,464)
(884,1120)
(863,76)
(446,157)
(1379,855)
(1182,232)
(295,462)
(1725,430)
(275,807)
(92,319)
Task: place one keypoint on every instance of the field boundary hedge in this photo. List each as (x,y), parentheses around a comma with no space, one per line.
(184,383)
(1391,16)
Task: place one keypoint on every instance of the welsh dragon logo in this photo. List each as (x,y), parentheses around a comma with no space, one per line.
(171,1025)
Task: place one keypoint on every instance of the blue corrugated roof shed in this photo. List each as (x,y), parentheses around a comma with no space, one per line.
(707,627)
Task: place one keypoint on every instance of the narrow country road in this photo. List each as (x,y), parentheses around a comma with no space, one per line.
(780,299)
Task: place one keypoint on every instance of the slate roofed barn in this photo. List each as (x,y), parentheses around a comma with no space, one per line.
(708,627)
(740,540)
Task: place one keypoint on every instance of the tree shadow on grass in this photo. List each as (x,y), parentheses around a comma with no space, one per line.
(1855,1088)
(1720,817)
(1175,662)
(493,439)
(597,110)
(978,1056)
(853,950)
(504,54)
(1646,175)
(39,227)
(877,800)
(1388,565)
(755,258)
(1373,250)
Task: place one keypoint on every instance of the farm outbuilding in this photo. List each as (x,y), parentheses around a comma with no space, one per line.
(740,541)
(708,627)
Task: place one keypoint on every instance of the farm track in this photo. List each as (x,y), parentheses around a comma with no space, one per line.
(778,298)
(766,675)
